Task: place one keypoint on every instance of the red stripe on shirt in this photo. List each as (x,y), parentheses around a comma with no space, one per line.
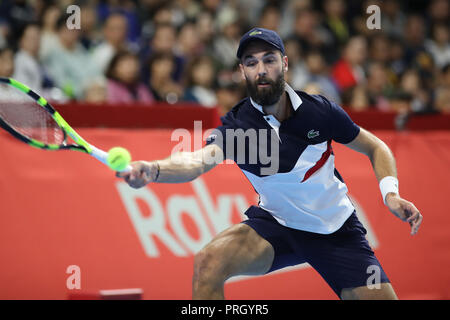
(319,164)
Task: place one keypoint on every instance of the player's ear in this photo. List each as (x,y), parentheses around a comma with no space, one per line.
(285,63)
(241,67)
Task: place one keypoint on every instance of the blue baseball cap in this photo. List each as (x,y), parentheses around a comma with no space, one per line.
(266,35)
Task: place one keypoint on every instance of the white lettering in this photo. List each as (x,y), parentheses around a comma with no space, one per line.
(74,20)
(148,227)
(176,206)
(373,281)
(220,216)
(181,243)
(373,21)
(74,280)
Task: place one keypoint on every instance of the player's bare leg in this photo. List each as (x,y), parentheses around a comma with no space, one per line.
(385,292)
(238,250)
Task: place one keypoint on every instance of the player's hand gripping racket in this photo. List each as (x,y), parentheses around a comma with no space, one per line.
(30,118)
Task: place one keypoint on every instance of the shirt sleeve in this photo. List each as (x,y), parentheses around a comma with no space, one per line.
(343,129)
(218,135)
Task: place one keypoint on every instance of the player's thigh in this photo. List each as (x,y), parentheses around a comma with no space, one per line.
(383,292)
(239,250)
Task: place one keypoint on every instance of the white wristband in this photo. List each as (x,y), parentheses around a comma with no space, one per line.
(388,184)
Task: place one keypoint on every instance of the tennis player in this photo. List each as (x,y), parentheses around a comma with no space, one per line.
(304,213)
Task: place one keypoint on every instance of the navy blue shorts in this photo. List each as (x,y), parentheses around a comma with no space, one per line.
(342,258)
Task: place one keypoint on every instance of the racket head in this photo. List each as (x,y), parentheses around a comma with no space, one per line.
(30,118)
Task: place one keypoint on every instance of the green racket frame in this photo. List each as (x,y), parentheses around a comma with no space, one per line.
(81,144)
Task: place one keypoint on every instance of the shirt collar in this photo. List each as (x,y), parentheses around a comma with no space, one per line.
(295,99)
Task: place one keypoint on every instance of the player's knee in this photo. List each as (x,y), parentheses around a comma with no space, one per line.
(206,266)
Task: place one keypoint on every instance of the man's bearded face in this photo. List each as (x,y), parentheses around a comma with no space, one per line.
(265,91)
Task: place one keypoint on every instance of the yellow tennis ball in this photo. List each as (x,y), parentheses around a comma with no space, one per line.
(118,158)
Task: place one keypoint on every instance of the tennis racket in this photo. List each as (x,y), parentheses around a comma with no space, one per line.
(31,119)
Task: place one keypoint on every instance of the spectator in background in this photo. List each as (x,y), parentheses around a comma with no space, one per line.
(164,42)
(335,23)
(318,74)
(356,98)
(228,94)
(417,57)
(17,14)
(250,10)
(3,33)
(96,91)
(379,48)
(161,83)
(415,53)
(308,32)
(153,13)
(226,81)
(349,70)
(6,62)
(438,12)
(128,9)
(378,86)
(164,14)
(27,67)
(205,30)
(227,42)
(211,6)
(8,93)
(400,102)
(69,64)
(289,11)
(114,39)
(123,84)
(164,39)
(90,35)
(200,82)
(188,44)
(397,62)
(270,17)
(442,92)
(312,88)
(49,32)
(439,46)
(412,45)
(393,19)
(185,10)
(412,84)
(297,73)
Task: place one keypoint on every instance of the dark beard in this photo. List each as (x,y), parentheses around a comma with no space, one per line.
(266,96)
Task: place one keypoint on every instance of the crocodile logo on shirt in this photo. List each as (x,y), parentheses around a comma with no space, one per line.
(312,134)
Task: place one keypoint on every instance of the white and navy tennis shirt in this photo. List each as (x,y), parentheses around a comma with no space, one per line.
(305,191)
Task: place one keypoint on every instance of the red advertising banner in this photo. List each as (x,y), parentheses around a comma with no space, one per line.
(65,215)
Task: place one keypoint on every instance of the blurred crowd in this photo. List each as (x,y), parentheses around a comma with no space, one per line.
(129,51)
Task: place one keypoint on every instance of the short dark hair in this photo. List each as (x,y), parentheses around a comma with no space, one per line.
(28,25)
(62,21)
(446,68)
(115,60)
(268,7)
(158,56)
(192,65)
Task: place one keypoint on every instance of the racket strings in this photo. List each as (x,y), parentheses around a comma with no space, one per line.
(27,117)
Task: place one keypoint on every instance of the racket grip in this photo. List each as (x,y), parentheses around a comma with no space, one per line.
(102,156)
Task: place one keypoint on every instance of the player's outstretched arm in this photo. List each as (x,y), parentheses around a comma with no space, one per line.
(178,168)
(383,163)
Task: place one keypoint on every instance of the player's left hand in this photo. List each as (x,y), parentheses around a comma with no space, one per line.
(405,210)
